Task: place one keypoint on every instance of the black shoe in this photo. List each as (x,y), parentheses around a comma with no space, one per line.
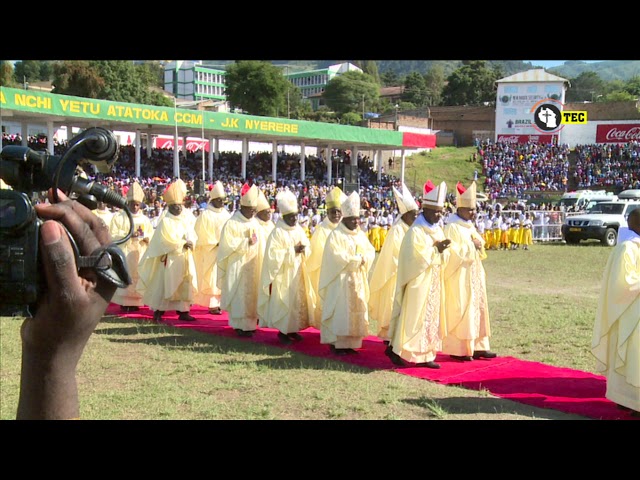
(124,308)
(296,337)
(157,315)
(244,333)
(484,354)
(386,342)
(341,351)
(215,311)
(394,357)
(462,358)
(284,338)
(134,308)
(428,365)
(185,317)
(351,351)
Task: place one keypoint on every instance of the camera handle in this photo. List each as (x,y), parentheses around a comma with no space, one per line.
(108,262)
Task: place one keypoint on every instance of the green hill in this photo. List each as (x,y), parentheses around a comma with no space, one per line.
(448,164)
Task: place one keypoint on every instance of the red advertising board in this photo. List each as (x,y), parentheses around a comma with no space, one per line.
(419,140)
(618,132)
(193,145)
(527,138)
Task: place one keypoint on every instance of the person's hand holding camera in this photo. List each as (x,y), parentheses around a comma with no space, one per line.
(68,311)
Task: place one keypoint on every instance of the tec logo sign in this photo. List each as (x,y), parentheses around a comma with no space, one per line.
(549,116)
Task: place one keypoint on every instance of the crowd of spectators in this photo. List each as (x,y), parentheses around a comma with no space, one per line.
(516,170)
(615,166)
(512,169)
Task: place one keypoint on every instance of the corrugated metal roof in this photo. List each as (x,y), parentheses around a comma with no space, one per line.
(534,75)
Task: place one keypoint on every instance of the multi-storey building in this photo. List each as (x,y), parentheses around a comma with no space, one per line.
(195,81)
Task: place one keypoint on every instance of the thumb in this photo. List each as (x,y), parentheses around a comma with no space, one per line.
(57,256)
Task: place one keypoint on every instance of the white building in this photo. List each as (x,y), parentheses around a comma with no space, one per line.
(517,98)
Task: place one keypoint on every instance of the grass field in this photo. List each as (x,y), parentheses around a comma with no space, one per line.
(542,304)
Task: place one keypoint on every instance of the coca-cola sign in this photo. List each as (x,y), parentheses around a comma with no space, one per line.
(618,133)
(192,144)
(526,138)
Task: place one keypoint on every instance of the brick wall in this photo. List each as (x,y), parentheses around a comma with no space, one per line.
(464,121)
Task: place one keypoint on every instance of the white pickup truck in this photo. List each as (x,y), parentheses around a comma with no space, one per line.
(602,221)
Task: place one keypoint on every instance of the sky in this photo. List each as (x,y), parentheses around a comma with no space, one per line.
(553,63)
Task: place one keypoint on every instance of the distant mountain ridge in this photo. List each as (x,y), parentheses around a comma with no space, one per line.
(607,69)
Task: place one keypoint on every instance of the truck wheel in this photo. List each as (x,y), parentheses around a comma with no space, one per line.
(571,240)
(610,237)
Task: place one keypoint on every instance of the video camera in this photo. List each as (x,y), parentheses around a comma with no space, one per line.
(28,172)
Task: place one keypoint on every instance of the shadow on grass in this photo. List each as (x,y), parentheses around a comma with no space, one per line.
(187,339)
(441,407)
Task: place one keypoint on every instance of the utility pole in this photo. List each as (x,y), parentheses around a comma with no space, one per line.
(288,103)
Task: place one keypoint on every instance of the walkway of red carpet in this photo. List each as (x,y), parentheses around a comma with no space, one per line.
(532,383)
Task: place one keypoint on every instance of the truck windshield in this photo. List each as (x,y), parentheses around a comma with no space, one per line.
(607,208)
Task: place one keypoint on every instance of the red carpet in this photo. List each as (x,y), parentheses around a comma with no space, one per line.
(532,383)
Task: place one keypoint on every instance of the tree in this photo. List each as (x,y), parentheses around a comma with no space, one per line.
(618,96)
(435,81)
(123,82)
(585,87)
(6,74)
(152,72)
(351,118)
(390,79)
(351,92)
(46,70)
(415,89)
(299,108)
(471,84)
(115,80)
(258,88)
(633,86)
(25,71)
(370,67)
(78,78)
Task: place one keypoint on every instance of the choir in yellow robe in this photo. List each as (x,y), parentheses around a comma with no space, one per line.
(616,333)
(208,227)
(374,235)
(466,307)
(134,248)
(238,267)
(382,285)
(333,202)
(168,279)
(418,324)
(526,238)
(284,301)
(343,286)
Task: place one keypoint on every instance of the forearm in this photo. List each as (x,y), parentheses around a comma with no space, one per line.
(48,387)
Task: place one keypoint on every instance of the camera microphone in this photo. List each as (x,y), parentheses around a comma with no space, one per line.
(100,147)
(101,192)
